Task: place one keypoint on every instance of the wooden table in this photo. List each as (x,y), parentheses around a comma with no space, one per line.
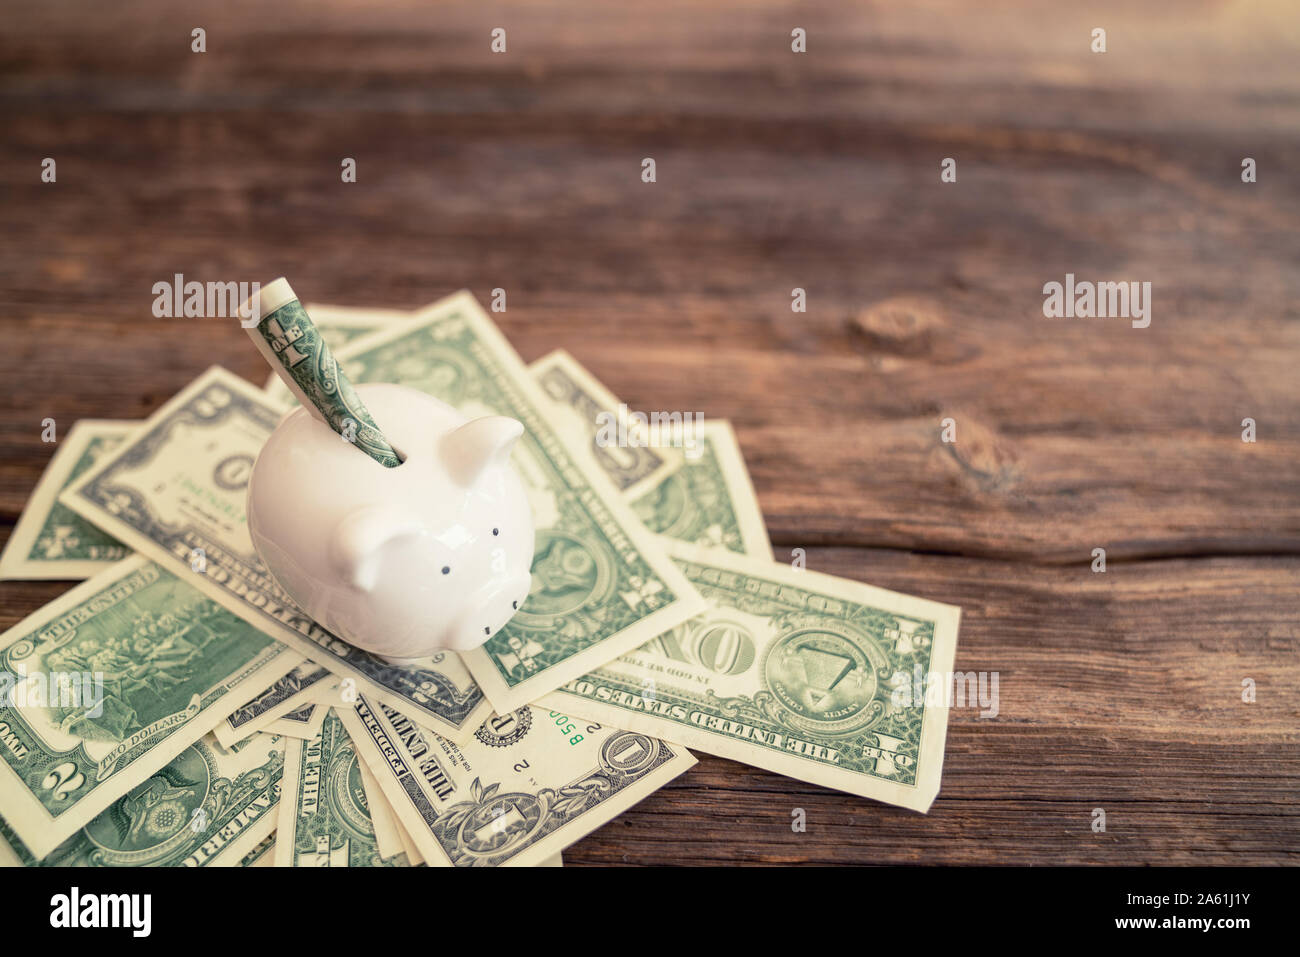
(777,170)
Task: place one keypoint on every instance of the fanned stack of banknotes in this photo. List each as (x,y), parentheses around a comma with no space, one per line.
(176,708)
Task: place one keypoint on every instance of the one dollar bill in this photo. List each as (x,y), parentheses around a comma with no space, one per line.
(798,672)
(303,723)
(339,325)
(291,344)
(581,401)
(325,818)
(263,855)
(390,840)
(50,541)
(529,784)
(175,490)
(293,692)
(697,492)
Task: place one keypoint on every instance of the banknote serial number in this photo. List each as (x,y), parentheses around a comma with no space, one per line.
(570,730)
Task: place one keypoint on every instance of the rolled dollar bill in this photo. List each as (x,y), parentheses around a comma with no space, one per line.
(293,347)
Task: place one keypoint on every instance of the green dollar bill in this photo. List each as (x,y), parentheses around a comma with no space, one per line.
(709,499)
(291,343)
(699,494)
(601,585)
(340,325)
(529,784)
(176,491)
(580,399)
(50,541)
(303,723)
(325,817)
(8,841)
(261,856)
(798,672)
(389,838)
(288,694)
(408,846)
(206,808)
(107,684)
(303,715)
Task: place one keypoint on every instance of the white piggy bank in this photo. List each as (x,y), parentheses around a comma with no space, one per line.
(402,562)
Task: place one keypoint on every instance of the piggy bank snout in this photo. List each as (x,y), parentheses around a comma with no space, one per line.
(488,609)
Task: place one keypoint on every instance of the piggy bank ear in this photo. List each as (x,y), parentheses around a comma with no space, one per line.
(358,541)
(479,445)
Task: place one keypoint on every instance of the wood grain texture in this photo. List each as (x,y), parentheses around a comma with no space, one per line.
(775,171)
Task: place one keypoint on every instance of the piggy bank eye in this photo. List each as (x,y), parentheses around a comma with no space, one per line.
(496,531)
(446,569)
